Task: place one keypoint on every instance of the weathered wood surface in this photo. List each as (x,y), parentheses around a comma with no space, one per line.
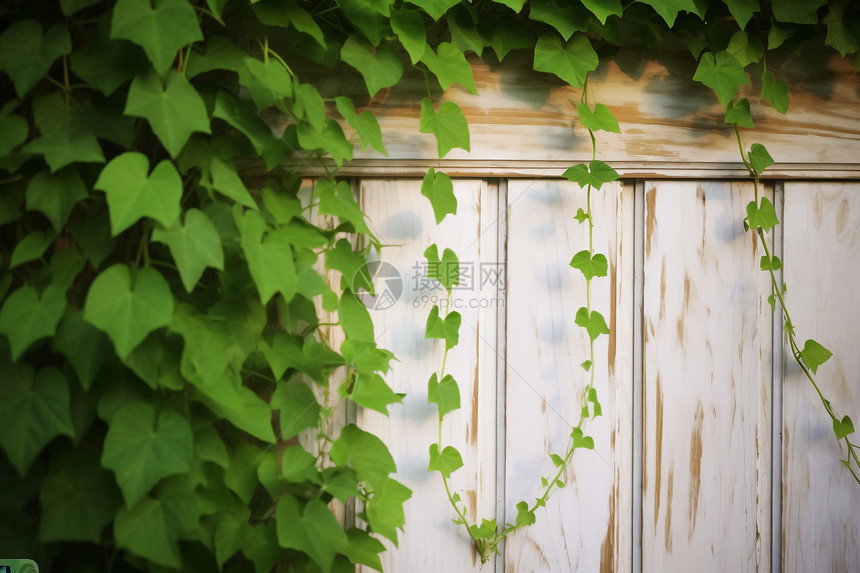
(707,383)
(586,526)
(523,123)
(821,503)
(403,220)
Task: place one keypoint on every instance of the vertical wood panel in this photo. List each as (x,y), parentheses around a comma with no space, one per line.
(587,525)
(403,220)
(707,380)
(821,521)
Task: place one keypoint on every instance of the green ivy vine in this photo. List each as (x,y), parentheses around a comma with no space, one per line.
(167,284)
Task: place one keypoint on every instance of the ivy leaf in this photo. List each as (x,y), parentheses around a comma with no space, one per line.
(839,33)
(746,50)
(128,312)
(26,54)
(315,531)
(814,355)
(590,266)
(580,440)
(444,462)
(449,65)
(593,323)
(599,119)
(69,7)
(107,64)
(218,53)
(132,193)
(336,199)
(581,216)
(447,329)
(55,195)
(797,11)
(384,510)
(309,106)
(94,238)
(603,9)
(143,446)
(770,264)
(354,318)
(242,116)
(446,270)
(329,139)
(464,32)
(13,127)
(270,259)
(365,453)
(380,67)
(173,108)
(565,17)
(445,394)
(775,91)
(524,516)
(410,30)
(435,8)
(365,124)
(78,499)
(668,9)
(843,427)
(363,549)
(742,10)
(776,36)
(739,113)
(34,411)
(764,216)
(83,345)
(437,187)
(160,27)
(370,391)
(722,73)
(226,181)
(571,61)
(448,125)
(194,246)
(298,407)
(505,36)
(759,158)
(31,247)
(351,265)
(592,397)
(26,317)
(64,137)
(594,174)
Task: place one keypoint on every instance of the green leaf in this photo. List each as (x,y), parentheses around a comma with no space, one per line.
(580,440)
(595,174)
(297,405)
(219,53)
(31,247)
(173,108)
(843,427)
(363,549)
(764,216)
(524,516)
(570,61)
(270,259)
(160,27)
(329,140)
(26,54)
(94,238)
(297,466)
(133,193)
(759,158)
(776,36)
(194,246)
(565,17)
(445,394)
(515,5)
(370,391)
(380,67)
(668,9)
(354,318)
(350,264)
(581,216)
(365,453)
(312,530)
(78,499)
(69,7)
(814,355)
(13,127)
(448,125)
(128,310)
(63,139)
(590,267)
(594,323)
(143,446)
(447,329)
(775,91)
(365,124)
(742,10)
(797,11)
(83,345)
(507,35)
(599,119)
(464,32)
(770,264)
(337,200)
(722,73)
(450,67)
(439,189)
(309,106)
(603,9)
(435,8)
(26,317)
(34,411)
(244,117)
(746,50)
(592,397)
(446,270)
(55,195)
(410,30)
(384,511)
(226,181)
(840,34)
(446,462)
(738,113)
(208,445)
(107,64)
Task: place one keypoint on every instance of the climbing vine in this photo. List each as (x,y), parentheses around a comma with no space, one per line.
(170,289)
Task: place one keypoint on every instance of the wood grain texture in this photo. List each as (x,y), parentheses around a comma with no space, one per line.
(403,220)
(670,124)
(586,526)
(707,379)
(821,521)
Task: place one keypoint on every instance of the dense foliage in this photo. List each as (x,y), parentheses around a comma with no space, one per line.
(164,355)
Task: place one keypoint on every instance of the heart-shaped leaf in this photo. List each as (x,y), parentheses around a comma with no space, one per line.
(570,61)
(26,317)
(775,91)
(56,195)
(445,394)
(590,267)
(759,158)
(448,125)
(599,119)
(722,73)
(380,67)
(410,30)
(26,54)
(194,246)
(450,67)
(445,462)
(439,189)
(593,323)
(580,440)
(447,329)
(313,530)
(365,124)
(814,355)
(843,427)
(594,174)
(738,113)
(446,270)
(763,217)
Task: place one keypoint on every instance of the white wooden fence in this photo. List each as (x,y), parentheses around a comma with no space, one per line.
(712,453)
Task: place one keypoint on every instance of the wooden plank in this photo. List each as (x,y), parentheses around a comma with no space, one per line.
(707,380)
(404,221)
(587,525)
(667,120)
(821,522)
